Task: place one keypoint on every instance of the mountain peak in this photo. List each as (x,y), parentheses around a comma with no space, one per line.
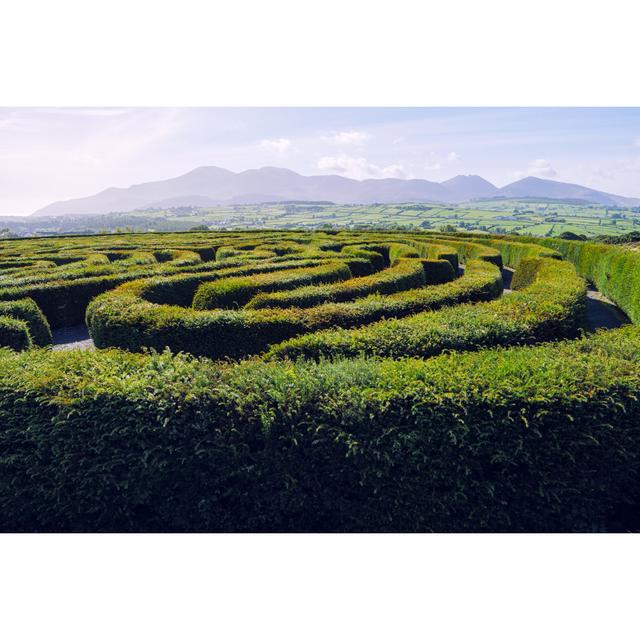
(207,170)
(210,185)
(470,187)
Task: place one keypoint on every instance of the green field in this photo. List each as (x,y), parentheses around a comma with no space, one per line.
(545,218)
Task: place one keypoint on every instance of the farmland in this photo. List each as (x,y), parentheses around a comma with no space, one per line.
(320,380)
(537,217)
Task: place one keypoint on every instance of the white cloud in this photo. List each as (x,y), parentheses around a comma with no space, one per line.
(602,172)
(280,145)
(539,168)
(348,138)
(359,167)
(436,161)
(85,111)
(10,123)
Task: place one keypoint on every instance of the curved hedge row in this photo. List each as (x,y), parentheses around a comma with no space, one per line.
(130,318)
(272,304)
(405,273)
(227,293)
(550,307)
(23,325)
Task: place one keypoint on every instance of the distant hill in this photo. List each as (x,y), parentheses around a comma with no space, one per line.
(207,186)
(470,188)
(537,187)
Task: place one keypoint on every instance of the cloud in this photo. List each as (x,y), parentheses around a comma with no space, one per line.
(359,167)
(436,161)
(11,122)
(280,145)
(539,168)
(348,138)
(636,142)
(601,172)
(85,111)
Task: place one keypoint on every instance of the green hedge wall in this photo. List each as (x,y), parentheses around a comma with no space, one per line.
(14,333)
(529,439)
(227,293)
(403,274)
(29,312)
(550,308)
(125,319)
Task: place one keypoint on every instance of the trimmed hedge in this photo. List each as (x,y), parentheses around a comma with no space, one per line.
(126,319)
(14,333)
(614,270)
(64,301)
(226,293)
(404,274)
(550,308)
(473,251)
(29,312)
(438,271)
(524,438)
(513,249)
(529,439)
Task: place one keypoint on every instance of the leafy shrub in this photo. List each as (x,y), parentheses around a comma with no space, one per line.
(14,333)
(529,439)
(227,293)
(404,274)
(551,307)
(29,312)
(125,318)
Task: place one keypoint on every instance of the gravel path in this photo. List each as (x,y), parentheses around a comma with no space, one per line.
(72,338)
(507,275)
(603,313)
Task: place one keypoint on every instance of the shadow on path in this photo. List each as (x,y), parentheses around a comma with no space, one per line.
(602,313)
(507,275)
(72,338)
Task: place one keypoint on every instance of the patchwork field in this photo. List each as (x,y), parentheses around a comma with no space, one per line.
(537,217)
(335,380)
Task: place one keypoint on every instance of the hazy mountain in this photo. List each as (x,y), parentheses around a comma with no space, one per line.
(207,186)
(470,188)
(537,187)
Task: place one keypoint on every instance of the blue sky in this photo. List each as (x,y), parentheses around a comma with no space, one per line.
(58,153)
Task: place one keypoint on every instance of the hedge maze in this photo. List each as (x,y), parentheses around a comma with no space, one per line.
(317,381)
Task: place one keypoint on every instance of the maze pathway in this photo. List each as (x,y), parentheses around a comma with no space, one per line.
(603,313)
(72,338)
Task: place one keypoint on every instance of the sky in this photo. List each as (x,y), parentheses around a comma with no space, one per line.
(50,154)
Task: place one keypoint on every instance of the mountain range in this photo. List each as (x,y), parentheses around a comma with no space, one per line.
(207,186)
